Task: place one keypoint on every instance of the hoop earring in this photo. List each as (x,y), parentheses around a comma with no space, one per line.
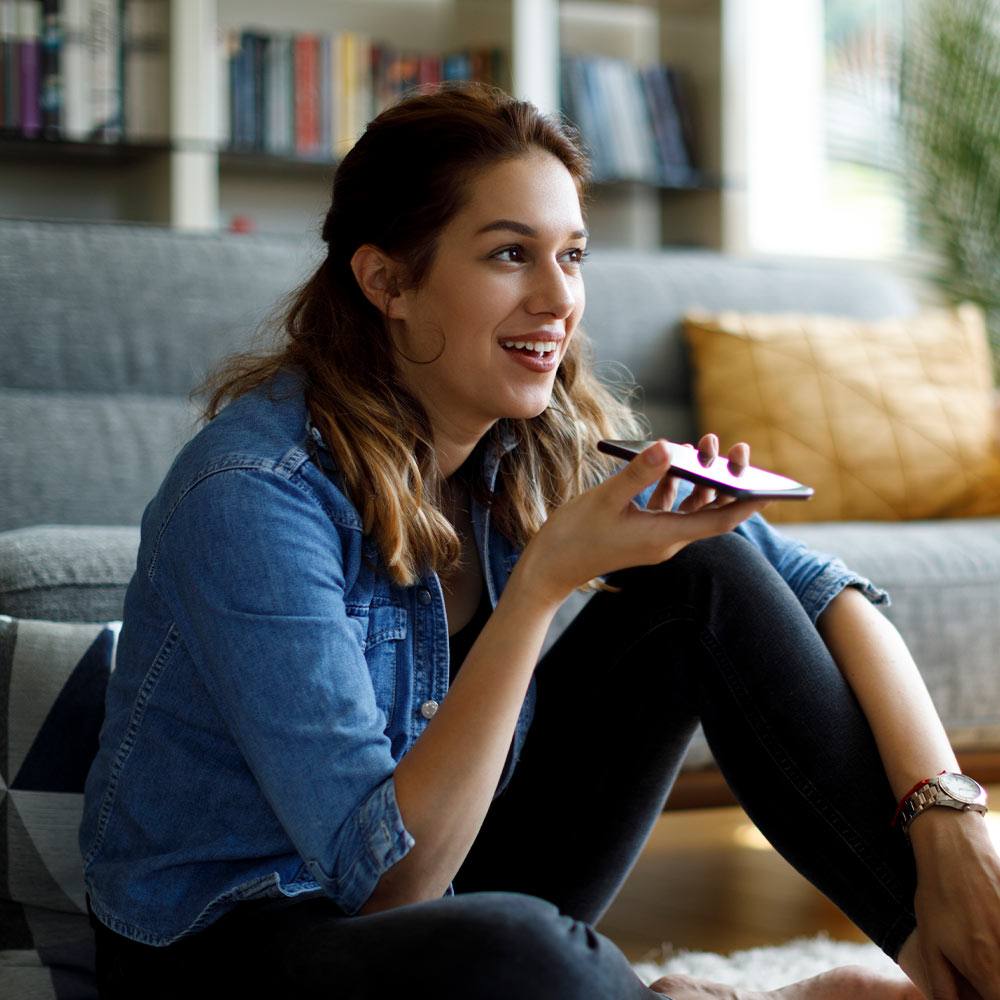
(414,361)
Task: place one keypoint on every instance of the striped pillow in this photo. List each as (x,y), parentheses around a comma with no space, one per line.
(52,681)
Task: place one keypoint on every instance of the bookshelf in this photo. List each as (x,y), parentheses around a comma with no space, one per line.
(191,179)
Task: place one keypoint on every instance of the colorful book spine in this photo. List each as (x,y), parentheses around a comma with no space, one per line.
(326,82)
(630,119)
(29,45)
(246,79)
(311,95)
(51,96)
(307,95)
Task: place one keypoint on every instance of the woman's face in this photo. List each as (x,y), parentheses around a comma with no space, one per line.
(499,302)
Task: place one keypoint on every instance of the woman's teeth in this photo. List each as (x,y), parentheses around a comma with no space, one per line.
(533,346)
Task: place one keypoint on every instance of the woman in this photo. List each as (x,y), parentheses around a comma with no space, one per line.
(329,765)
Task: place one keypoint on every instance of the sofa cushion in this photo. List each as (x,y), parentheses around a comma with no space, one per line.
(97,308)
(944,581)
(66,573)
(886,420)
(86,457)
(53,677)
(106,330)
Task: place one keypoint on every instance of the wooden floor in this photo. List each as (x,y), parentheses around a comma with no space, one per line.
(708,881)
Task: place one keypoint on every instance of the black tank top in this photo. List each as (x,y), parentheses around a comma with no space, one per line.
(461,642)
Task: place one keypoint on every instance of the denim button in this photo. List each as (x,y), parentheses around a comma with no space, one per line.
(424,596)
(428,708)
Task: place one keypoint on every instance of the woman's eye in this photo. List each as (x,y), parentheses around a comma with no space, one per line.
(577,255)
(512,255)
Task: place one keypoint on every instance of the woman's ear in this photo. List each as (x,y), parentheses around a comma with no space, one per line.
(375,273)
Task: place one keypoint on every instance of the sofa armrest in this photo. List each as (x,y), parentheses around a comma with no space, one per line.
(66,572)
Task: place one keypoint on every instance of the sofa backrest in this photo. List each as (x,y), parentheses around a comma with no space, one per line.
(105,329)
(636,301)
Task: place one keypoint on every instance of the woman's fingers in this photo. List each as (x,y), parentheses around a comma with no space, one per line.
(739,457)
(603,530)
(708,449)
(665,495)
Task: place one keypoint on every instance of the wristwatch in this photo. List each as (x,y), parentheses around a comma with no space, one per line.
(956,791)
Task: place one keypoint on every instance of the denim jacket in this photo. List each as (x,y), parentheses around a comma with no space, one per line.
(269,677)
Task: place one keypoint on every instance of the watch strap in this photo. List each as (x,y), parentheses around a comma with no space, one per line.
(906,798)
(928,793)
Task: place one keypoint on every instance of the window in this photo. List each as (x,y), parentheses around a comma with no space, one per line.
(821,103)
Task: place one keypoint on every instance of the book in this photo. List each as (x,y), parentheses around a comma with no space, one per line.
(146,70)
(578,108)
(328,71)
(29,44)
(74,68)
(10,68)
(674,157)
(257,43)
(105,70)
(311,95)
(246,99)
(629,120)
(279,135)
(680,89)
(50,97)
(307,95)
(353,90)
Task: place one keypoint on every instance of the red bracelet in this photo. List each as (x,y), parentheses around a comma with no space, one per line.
(903,800)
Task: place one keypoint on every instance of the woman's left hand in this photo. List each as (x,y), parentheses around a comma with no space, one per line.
(665,494)
(957,905)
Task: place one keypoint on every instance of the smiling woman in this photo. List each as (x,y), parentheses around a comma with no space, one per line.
(495,317)
(477,243)
(331,741)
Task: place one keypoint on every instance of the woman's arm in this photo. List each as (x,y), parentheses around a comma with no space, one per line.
(880,670)
(445,782)
(958,885)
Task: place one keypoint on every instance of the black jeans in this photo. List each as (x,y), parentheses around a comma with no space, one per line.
(712,635)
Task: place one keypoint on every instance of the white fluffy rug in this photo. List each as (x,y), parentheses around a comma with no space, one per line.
(768,968)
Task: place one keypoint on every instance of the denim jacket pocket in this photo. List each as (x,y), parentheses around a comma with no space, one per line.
(383,624)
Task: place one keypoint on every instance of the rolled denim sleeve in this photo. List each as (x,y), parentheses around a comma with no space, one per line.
(252,564)
(814,577)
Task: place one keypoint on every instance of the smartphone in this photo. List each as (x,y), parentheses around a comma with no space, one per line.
(751,484)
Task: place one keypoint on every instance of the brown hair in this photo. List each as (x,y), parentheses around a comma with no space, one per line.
(397,189)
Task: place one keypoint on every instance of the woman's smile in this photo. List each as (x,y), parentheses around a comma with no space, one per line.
(541,354)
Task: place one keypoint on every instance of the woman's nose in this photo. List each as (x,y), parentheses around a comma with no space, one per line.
(553,292)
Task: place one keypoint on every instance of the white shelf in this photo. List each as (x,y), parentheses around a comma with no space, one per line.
(189,183)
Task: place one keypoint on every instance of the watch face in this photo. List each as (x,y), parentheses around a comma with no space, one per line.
(960,787)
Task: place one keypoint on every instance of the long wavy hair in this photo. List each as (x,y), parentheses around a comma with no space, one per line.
(397,189)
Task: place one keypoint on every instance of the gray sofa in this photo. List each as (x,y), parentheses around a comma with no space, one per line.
(104,330)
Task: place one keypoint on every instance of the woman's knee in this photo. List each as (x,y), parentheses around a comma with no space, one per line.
(526,947)
(726,568)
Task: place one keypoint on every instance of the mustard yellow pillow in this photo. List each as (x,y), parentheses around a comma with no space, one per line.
(887,421)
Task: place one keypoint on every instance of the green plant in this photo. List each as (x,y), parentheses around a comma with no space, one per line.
(950,108)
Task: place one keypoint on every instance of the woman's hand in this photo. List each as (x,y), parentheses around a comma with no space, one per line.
(957,905)
(602,530)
